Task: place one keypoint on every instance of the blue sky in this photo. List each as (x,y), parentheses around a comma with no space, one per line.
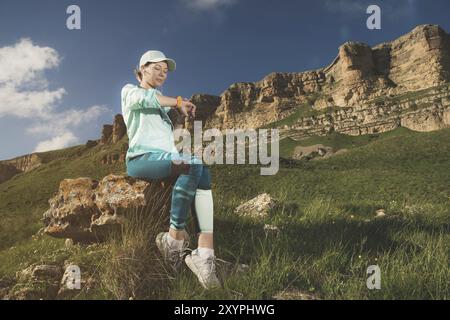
(59,86)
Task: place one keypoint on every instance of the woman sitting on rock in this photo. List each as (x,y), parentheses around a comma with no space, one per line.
(151,155)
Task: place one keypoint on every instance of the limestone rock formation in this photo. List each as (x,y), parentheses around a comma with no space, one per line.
(364,90)
(119,128)
(87,210)
(113,133)
(24,163)
(9,168)
(106,134)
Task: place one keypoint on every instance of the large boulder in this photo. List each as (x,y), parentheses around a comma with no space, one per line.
(88,210)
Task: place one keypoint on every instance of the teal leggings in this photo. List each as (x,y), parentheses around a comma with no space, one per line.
(193,175)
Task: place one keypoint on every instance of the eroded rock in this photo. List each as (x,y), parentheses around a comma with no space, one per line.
(87,210)
(258,207)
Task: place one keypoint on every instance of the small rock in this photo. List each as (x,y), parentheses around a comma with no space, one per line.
(68,243)
(294,294)
(270,229)
(380,213)
(258,207)
(241,268)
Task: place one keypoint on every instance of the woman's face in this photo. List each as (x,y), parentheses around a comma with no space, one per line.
(155,73)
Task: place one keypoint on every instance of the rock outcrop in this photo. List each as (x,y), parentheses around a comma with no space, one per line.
(426,110)
(24,163)
(88,210)
(113,133)
(119,128)
(364,90)
(9,168)
(106,134)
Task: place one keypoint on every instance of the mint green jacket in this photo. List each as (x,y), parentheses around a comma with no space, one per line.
(148,126)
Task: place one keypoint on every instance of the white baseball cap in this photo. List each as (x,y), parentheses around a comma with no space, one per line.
(156,56)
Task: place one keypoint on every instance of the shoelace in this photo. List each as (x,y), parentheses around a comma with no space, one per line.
(212,264)
(211,261)
(214,259)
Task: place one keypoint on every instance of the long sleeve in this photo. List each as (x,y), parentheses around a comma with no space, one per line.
(134,98)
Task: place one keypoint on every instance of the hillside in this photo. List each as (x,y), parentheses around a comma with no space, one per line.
(406,173)
(363,180)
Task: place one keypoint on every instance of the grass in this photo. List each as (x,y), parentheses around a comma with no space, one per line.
(325,243)
(339,141)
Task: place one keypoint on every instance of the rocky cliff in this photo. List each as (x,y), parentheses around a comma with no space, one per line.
(9,168)
(363,90)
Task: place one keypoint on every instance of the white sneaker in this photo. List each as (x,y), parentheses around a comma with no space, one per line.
(204,269)
(172,256)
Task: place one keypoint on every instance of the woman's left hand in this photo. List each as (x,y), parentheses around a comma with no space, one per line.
(191,111)
(187,108)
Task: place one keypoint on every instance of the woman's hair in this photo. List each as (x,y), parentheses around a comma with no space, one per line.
(138,72)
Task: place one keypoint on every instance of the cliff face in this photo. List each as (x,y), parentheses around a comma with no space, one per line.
(9,168)
(24,163)
(427,111)
(365,87)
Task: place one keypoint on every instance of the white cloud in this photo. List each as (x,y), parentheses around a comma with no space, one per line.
(205,5)
(58,142)
(28,104)
(24,93)
(24,62)
(23,90)
(58,123)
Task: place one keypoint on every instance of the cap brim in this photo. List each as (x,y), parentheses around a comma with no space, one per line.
(171,63)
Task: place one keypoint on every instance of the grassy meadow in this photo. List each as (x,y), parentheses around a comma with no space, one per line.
(328,230)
